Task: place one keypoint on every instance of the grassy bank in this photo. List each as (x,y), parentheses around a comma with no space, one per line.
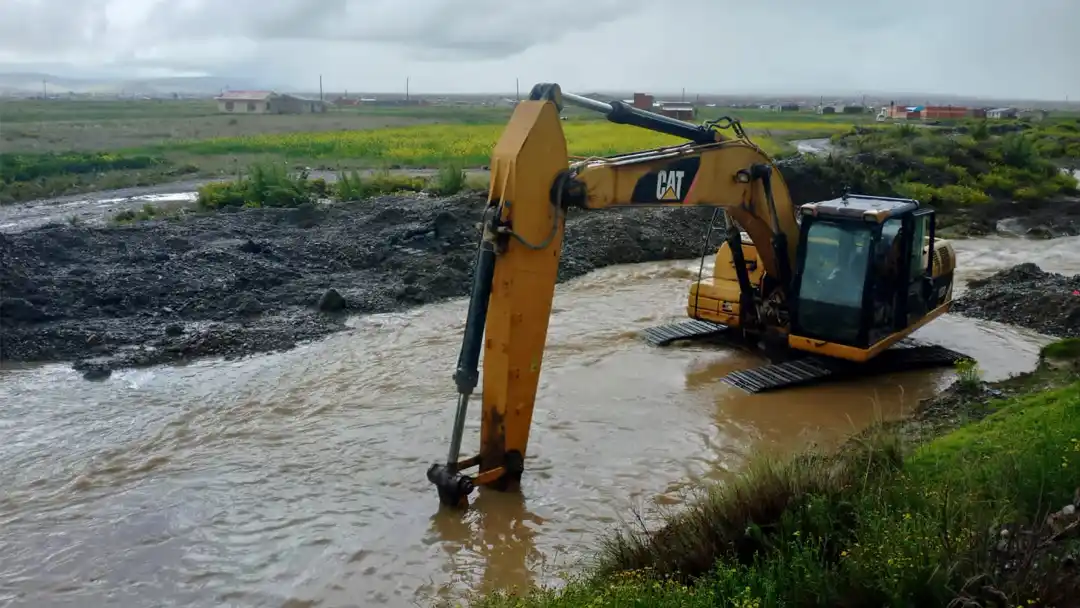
(34,176)
(271,185)
(974,173)
(957,503)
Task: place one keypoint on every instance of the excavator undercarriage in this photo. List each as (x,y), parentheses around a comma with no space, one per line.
(826,291)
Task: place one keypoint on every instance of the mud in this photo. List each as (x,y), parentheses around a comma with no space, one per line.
(257,280)
(1026,296)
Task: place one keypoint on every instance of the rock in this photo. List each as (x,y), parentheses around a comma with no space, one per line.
(1040,232)
(332,301)
(251,246)
(247,304)
(173,330)
(20,310)
(94,371)
(1026,296)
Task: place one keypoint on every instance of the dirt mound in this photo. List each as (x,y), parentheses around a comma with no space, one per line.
(259,279)
(1027,296)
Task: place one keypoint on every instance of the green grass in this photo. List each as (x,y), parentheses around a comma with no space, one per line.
(952,169)
(1069,348)
(33,176)
(880,523)
(270,185)
(22,111)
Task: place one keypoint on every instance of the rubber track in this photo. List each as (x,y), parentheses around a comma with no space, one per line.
(662,335)
(813,369)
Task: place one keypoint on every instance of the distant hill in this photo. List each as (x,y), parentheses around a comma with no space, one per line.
(32,83)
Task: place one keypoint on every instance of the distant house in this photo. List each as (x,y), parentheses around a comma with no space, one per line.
(643,101)
(267,102)
(1001,113)
(905,112)
(682,110)
(826,110)
(944,112)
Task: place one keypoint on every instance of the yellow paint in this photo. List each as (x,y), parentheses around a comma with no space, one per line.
(526,161)
(860,355)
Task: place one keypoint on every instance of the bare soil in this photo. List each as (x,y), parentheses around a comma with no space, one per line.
(1026,296)
(257,280)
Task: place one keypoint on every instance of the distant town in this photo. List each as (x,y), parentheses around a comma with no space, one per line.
(257,100)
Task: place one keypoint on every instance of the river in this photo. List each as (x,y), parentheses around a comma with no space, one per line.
(298,479)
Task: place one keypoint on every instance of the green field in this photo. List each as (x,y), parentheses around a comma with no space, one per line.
(59,147)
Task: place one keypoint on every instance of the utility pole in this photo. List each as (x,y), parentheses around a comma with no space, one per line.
(320,88)
(684,94)
(406,88)
(517,89)
(44,89)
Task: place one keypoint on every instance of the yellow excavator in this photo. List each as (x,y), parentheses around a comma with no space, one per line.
(831,289)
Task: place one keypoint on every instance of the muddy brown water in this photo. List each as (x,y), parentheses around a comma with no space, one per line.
(297,479)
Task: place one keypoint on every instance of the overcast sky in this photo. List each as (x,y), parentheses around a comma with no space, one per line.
(1000,48)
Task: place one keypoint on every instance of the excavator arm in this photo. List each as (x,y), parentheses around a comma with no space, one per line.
(532,185)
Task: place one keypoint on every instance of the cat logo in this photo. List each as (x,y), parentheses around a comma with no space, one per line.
(669,185)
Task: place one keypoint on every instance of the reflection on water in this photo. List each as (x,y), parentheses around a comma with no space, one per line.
(298,478)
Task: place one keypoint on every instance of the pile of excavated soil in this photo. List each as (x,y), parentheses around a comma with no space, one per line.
(1027,296)
(258,280)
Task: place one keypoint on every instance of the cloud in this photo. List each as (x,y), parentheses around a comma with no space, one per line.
(987,47)
(37,26)
(477,29)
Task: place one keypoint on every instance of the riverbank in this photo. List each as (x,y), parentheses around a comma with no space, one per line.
(981,179)
(238,282)
(974,498)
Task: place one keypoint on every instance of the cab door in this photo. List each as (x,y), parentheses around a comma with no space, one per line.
(920,248)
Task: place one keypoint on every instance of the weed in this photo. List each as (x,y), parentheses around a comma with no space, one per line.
(968,375)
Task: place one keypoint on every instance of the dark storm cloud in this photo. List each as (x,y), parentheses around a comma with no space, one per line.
(472,29)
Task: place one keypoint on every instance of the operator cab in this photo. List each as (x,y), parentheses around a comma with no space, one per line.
(864,269)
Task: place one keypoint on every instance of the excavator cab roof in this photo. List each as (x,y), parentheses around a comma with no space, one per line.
(869,208)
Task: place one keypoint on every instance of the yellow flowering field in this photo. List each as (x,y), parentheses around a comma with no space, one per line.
(434,145)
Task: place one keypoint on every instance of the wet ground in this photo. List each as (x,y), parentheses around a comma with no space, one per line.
(256,280)
(297,478)
(96,208)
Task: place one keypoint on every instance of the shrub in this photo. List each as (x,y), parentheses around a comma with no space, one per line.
(962,196)
(449,180)
(265,185)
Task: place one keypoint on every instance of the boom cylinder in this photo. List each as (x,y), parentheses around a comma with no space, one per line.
(620,112)
(468,373)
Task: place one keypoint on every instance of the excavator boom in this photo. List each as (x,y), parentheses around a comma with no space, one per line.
(533,183)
